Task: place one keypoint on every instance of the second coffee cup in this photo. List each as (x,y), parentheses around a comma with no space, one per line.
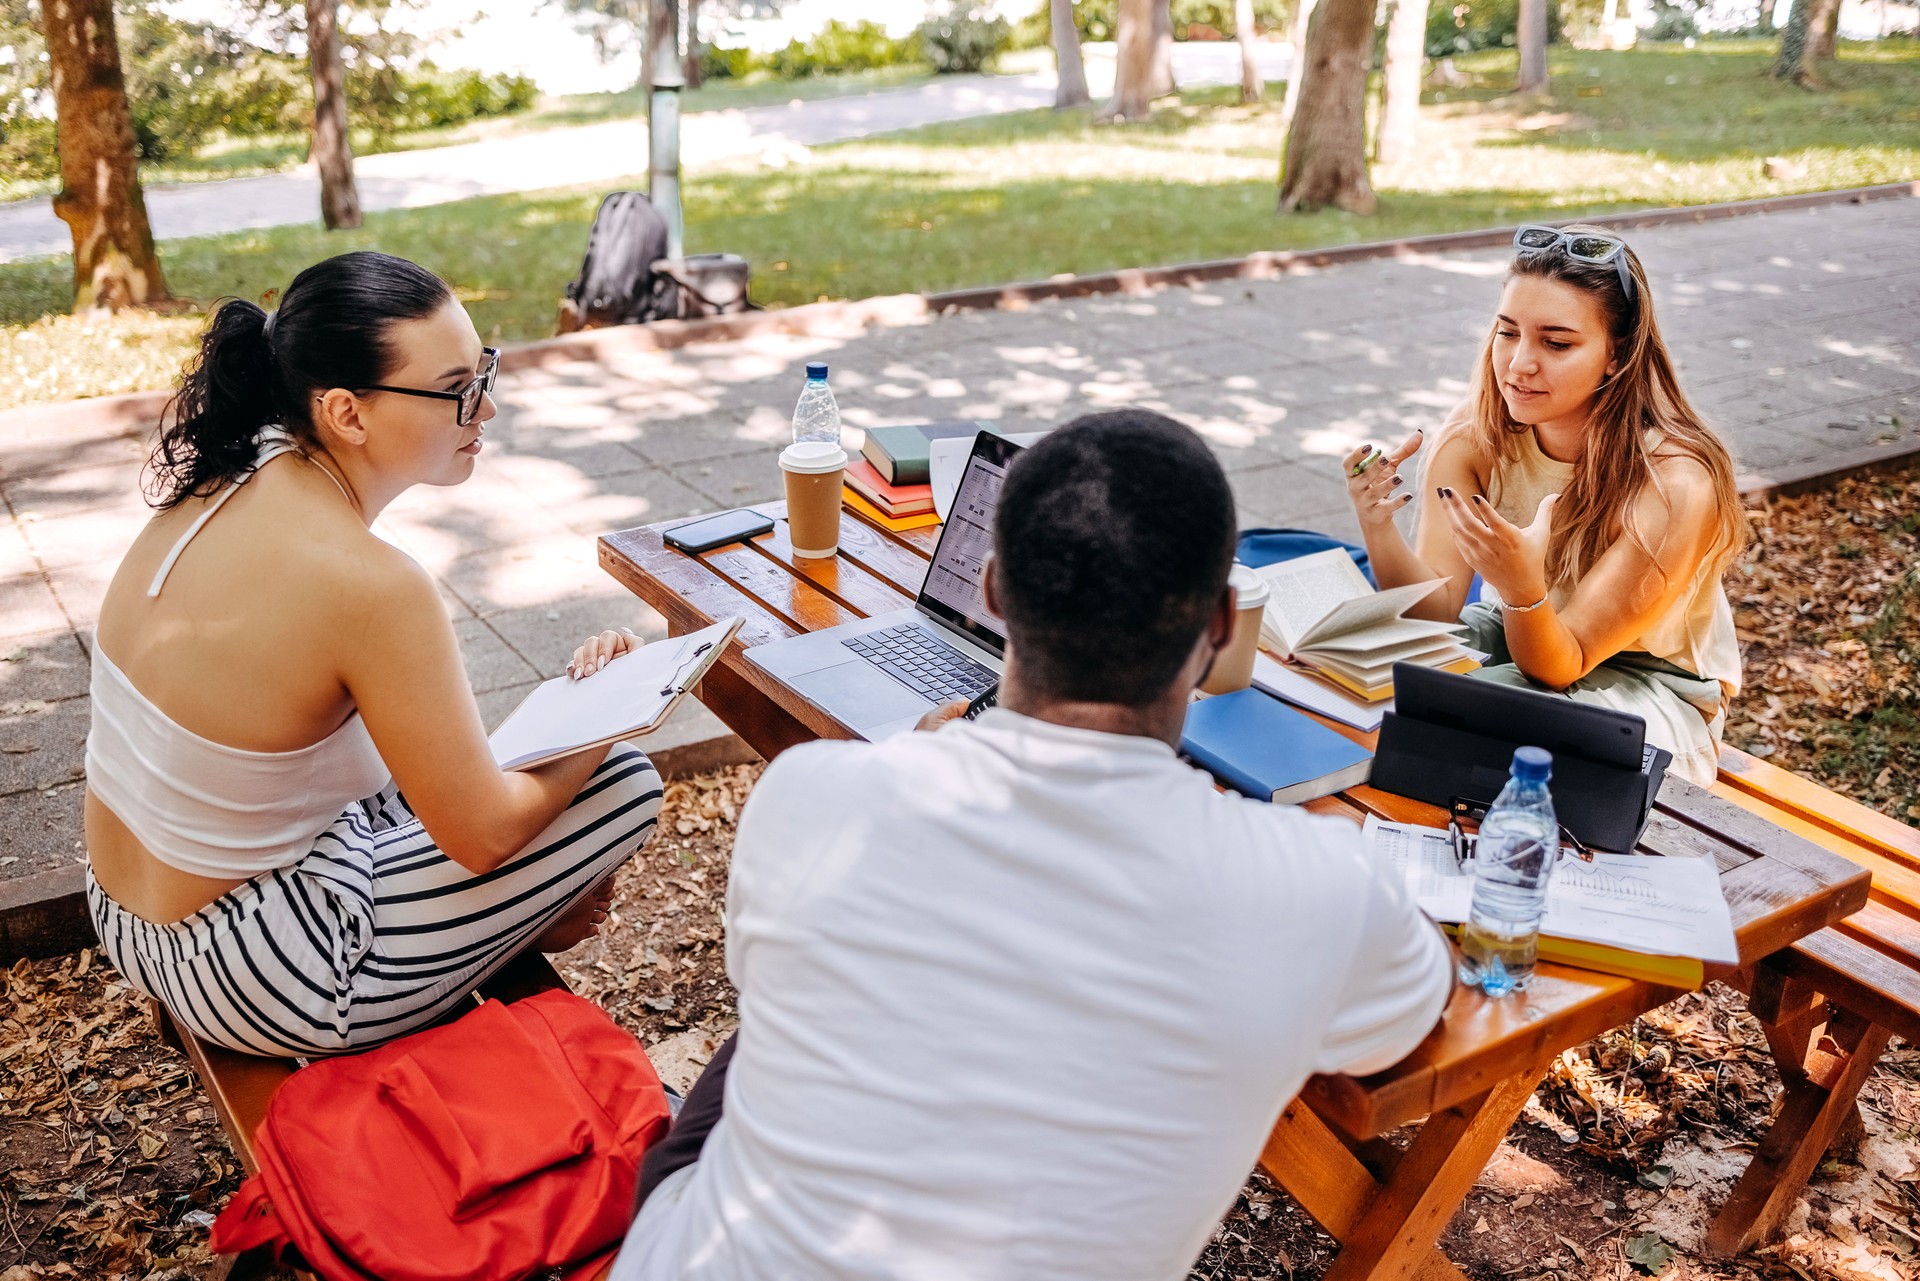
(814,472)
(1233,668)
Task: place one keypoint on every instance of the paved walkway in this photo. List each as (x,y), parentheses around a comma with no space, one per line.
(1798,334)
(609,153)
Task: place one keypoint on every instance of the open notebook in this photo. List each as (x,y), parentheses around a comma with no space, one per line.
(1325,616)
(628,697)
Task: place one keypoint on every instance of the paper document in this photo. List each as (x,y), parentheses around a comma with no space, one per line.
(1663,906)
(629,696)
(947,458)
(1295,687)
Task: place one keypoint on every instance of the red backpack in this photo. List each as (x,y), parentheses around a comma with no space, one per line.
(501,1146)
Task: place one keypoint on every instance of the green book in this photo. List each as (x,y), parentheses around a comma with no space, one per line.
(901,454)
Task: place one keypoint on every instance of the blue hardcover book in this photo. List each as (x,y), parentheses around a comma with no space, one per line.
(1257,745)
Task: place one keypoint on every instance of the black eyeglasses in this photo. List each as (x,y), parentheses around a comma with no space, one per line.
(468,397)
(1466,844)
(1581,246)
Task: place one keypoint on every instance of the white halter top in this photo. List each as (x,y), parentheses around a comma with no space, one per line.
(205,808)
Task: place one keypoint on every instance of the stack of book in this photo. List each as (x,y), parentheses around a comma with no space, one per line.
(891,500)
(1325,618)
(901,455)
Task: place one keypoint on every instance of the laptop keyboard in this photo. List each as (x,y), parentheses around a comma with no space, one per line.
(926,666)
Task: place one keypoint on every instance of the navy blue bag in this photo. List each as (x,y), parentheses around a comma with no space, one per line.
(1259,547)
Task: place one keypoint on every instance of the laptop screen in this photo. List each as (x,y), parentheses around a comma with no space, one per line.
(954,592)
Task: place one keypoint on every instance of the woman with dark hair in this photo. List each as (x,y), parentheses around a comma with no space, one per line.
(1590,497)
(297,838)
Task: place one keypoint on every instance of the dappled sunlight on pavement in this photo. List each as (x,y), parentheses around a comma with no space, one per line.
(1798,334)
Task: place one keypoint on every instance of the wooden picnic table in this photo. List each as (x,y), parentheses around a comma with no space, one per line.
(1465,1085)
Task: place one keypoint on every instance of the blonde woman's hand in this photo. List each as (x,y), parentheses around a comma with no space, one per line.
(1375,490)
(1512,558)
(601,650)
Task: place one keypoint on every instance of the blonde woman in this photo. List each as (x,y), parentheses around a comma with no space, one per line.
(1584,490)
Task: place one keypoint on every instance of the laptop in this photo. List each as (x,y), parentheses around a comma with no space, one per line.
(879,676)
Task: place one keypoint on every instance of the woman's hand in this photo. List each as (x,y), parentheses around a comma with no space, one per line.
(1511,559)
(601,650)
(1375,489)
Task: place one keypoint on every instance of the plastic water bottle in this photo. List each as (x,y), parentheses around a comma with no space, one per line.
(1513,862)
(816,418)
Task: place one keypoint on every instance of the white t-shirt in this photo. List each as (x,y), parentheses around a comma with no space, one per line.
(1019,1000)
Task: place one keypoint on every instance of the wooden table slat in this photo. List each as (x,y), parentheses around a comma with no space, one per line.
(1839,816)
(776,589)
(844,578)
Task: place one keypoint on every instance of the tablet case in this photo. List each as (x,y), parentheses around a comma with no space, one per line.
(1445,740)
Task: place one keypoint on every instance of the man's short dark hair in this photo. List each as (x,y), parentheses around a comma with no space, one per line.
(1112,539)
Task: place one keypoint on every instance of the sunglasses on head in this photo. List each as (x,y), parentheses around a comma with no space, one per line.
(1581,246)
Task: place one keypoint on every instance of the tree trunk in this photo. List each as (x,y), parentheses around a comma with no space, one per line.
(114,264)
(690,67)
(1326,157)
(1243,31)
(1825,38)
(1296,68)
(1160,81)
(1072,72)
(1798,49)
(1764,24)
(1400,85)
(332,149)
(1531,36)
(1133,61)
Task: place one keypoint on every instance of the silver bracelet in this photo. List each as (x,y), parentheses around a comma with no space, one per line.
(1524,609)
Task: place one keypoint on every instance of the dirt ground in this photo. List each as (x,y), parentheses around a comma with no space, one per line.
(113,1162)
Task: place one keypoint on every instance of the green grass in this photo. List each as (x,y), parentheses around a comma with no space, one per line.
(1025,196)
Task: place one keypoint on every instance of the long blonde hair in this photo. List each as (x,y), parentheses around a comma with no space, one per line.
(1642,397)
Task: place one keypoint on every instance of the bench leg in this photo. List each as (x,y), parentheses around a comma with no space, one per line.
(1388,1226)
(1820,1093)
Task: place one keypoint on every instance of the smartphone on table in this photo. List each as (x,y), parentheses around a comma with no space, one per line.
(704,535)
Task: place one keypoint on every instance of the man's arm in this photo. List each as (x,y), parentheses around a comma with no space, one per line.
(1402,977)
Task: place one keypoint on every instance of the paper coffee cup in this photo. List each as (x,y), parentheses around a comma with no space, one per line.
(1233,669)
(814,472)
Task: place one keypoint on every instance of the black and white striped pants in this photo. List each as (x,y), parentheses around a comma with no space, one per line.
(375,933)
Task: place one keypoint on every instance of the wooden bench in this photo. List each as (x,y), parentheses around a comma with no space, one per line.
(1830,1002)
(241,1085)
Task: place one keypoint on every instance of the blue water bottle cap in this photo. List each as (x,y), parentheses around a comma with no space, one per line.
(1532,764)
(817,369)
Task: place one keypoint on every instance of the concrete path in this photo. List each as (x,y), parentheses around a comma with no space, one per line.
(601,153)
(1798,334)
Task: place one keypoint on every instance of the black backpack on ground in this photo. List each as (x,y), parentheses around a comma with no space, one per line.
(617,284)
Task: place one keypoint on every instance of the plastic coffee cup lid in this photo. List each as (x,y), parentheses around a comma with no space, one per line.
(811,457)
(1249,588)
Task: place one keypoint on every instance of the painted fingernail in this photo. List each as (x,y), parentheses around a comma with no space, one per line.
(1476,499)
(1445,492)
(1396,480)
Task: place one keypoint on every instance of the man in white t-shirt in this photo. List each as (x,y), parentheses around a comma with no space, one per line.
(1023,997)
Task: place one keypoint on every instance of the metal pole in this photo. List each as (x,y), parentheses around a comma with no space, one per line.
(663,131)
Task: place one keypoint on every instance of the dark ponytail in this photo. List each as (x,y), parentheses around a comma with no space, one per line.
(254,370)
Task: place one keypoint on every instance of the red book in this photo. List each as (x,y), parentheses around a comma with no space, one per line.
(894,500)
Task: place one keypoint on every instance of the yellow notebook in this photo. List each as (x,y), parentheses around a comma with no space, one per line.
(898,524)
(1668,971)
